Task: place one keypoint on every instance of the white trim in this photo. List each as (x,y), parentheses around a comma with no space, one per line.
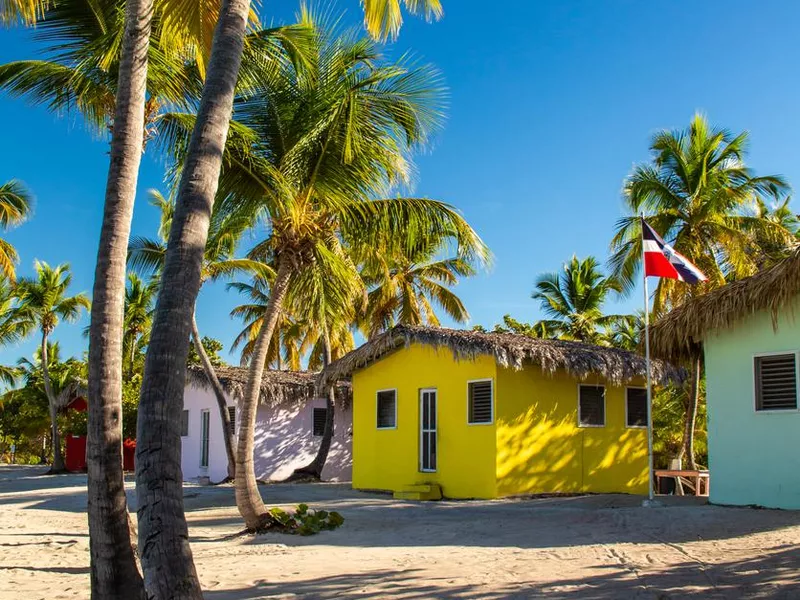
(395,409)
(632,387)
(435,430)
(605,407)
(207,440)
(491,381)
(774,411)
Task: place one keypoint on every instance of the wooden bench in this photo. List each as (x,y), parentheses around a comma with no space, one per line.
(699,480)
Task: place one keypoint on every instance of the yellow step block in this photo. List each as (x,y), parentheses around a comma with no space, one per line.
(423,491)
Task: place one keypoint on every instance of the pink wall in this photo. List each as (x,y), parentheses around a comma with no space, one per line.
(283,439)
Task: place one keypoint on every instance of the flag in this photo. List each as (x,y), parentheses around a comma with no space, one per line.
(661,260)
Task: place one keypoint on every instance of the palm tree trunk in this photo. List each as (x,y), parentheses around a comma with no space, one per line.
(690,417)
(219,394)
(163,535)
(313,470)
(58,459)
(114,573)
(248,498)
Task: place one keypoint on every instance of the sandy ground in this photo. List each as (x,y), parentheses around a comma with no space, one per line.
(600,547)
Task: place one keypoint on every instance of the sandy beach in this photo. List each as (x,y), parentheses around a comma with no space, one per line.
(597,547)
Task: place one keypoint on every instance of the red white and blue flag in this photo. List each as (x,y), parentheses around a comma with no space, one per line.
(661,260)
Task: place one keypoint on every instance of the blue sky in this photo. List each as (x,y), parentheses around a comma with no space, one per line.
(551,103)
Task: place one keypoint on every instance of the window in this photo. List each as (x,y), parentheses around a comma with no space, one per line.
(387,409)
(232,417)
(592,406)
(320,416)
(776,382)
(636,407)
(479,394)
(185,423)
(204,422)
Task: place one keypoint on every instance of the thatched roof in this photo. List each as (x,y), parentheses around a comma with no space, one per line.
(277,387)
(679,334)
(509,350)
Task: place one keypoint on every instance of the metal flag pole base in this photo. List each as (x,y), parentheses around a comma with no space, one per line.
(652,503)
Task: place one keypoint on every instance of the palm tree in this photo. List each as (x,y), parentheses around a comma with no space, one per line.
(698,194)
(383,18)
(101,66)
(25,11)
(405,286)
(15,325)
(779,213)
(44,298)
(165,362)
(625,332)
(139,304)
(15,207)
(574,298)
(219,260)
(323,145)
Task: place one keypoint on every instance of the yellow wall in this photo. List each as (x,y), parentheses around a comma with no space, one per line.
(541,449)
(533,446)
(388,459)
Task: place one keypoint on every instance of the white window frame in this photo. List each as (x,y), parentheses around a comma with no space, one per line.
(396,396)
(632,387)
(605,405)
(207,441)
(778,411)
(435,430)
(491,422)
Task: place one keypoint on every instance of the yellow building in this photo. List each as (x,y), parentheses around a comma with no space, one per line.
(485,415)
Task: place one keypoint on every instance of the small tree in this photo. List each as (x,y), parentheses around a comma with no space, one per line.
(44,300)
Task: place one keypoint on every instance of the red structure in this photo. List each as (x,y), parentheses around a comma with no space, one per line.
(75,455)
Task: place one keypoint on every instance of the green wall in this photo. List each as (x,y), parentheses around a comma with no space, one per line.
(754,457)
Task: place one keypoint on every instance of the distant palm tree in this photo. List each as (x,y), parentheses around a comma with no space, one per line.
(779,213)
(699,195)
(625,332)
(15,208)
(405,286)
(574,298)
(44,298)
(140,296)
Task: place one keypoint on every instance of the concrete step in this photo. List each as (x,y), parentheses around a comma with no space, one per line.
(421,491)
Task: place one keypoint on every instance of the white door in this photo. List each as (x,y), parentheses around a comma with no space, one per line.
(427,422)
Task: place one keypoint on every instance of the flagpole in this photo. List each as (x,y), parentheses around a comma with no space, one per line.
(649,376)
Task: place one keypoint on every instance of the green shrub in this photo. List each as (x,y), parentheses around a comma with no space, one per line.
(303,521)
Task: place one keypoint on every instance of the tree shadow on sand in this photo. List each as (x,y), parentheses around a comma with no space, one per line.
(773,576)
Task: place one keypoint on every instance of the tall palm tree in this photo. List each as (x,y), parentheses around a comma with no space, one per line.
(165,366)
(406,285)
(698,194)
(15,207)
(324,145)
(574,298)
(44,298)
(100,65)
(219,261)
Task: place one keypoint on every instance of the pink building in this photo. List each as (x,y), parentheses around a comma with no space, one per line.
(289,426)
